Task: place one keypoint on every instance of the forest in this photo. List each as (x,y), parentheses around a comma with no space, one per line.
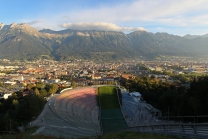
(24,106)
(171,99)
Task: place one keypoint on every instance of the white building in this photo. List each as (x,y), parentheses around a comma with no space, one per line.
(9,83)
(136,96)
(5,95)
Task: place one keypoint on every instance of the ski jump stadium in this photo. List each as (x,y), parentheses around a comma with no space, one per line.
(88,112)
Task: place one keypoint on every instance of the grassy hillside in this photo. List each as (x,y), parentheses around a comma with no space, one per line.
(119,135)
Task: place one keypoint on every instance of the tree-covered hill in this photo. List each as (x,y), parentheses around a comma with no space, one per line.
(178,101)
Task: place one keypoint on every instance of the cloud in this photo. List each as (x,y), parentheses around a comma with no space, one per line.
(172,12)
(35,22)
(105,26)
(127,15)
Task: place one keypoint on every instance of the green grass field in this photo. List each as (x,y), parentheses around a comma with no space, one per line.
(108,97)
(111,116)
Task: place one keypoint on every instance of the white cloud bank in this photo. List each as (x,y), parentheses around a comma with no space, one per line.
(172,16)
(35,22)
(167,12)
(105,26)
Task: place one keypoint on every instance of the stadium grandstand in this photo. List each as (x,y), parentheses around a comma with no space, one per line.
(92,111)
(73,113)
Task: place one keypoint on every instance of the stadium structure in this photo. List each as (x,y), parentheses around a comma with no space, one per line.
(78,112)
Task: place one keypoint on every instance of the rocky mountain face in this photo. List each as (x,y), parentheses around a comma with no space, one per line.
(188,36)
(165,44)
(21,41)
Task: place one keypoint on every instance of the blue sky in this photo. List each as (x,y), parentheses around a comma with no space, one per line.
(178,17)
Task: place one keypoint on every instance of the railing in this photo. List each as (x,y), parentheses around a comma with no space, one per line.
(65,90)
(120,105)
(181,130)
(101,127)
(187,119)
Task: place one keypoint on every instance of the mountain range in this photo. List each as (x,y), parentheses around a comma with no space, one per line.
(21,41)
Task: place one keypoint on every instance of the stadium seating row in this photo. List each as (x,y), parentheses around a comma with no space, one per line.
(78,110)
